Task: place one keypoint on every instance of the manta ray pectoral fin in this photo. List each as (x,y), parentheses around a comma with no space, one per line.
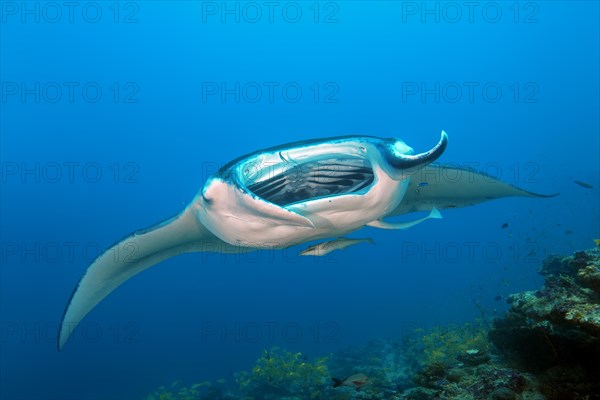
(448,186)
(404,225)
(131,256)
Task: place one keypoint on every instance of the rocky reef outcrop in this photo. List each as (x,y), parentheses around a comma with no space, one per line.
(554,332)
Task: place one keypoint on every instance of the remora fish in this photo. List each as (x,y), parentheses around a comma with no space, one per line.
(287,195)
(325,248)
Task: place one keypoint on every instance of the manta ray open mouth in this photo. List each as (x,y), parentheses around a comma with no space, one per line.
(305,181)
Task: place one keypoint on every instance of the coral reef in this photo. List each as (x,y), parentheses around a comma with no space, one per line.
(546,347)
(485,381)
(457,363)
(205,391)
(468,343)
(385,362)
(280,374)
(555,331)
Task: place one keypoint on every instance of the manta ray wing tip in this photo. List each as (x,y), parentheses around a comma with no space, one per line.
(543,195)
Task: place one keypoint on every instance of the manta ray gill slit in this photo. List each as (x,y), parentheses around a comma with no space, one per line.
(291,182)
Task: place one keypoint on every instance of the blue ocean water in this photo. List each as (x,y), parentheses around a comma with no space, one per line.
(113,114)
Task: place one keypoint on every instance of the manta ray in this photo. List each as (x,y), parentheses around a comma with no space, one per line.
(289,195)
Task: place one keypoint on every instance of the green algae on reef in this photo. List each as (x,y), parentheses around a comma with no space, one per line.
(546,347)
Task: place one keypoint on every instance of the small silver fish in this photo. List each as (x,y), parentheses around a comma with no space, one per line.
(325,248)
(582,184)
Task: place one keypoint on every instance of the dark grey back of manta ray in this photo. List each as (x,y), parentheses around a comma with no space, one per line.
(449,186)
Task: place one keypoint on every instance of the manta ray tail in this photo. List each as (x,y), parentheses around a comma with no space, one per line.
(130,256)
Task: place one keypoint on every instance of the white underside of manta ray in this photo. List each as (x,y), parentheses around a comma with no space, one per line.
(289,195)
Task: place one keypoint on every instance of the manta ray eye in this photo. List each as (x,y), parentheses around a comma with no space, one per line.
(209,192)
(363,149)
(206,199)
